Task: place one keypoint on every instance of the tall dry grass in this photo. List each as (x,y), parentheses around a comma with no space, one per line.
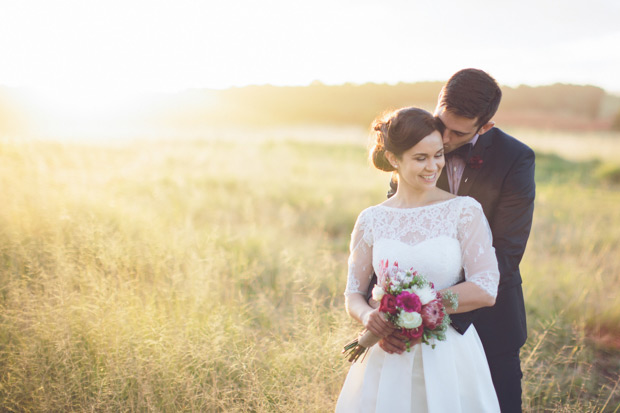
(207,275)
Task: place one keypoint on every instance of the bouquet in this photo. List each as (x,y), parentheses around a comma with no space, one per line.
(411,303)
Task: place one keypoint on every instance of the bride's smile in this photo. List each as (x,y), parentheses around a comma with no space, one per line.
(419,168)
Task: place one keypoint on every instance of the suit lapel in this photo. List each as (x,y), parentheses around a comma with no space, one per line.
(470,174)
(442,182)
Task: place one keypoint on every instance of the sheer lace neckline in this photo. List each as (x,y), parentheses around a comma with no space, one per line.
(418,207)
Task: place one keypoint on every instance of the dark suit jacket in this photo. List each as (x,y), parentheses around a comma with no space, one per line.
(504,186)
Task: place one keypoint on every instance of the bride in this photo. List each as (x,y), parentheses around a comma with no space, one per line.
(440,236)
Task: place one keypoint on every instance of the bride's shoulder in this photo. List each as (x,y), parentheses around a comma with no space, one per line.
(467,203)
(367,213)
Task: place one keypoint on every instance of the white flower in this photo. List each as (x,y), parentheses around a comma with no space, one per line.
(403,277)
(426,294)
(409,320)
(394,273)
(377,293)
(407,277)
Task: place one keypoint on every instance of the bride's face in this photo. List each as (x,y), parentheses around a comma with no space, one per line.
(419,167)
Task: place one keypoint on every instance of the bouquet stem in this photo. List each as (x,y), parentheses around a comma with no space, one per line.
(358,347)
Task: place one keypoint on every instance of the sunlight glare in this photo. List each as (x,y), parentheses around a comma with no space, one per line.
(79,104)
(85,112)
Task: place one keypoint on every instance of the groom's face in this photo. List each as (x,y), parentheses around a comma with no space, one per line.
(458,129)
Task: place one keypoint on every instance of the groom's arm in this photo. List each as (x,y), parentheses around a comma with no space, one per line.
(512,220)
(510,223)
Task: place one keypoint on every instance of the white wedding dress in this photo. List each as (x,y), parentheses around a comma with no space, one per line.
(437,241)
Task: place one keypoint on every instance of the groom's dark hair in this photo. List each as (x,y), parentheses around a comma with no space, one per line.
(473,94)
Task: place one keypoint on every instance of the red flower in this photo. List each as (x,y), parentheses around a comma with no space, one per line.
(475,162)
(409,302)
(388,304)
(432,314)
(412,334)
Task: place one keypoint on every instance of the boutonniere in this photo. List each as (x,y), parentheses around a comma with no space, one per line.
(475,162)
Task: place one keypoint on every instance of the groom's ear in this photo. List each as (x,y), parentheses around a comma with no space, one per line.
(486,127)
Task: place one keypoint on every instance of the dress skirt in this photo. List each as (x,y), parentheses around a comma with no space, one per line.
(453,377)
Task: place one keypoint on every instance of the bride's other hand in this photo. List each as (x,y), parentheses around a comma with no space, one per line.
(375,322)
(396,343)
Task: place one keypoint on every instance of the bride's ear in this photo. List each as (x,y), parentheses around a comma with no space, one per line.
(392,159)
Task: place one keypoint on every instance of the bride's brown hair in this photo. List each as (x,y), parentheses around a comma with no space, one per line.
(398,131)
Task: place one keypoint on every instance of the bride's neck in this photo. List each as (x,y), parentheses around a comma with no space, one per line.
(412,199)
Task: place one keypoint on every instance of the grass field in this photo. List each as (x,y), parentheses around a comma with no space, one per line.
(207,274)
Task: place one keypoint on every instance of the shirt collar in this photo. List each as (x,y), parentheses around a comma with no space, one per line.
(474,140)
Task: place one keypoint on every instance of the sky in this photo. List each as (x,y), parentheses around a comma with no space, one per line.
(73,47)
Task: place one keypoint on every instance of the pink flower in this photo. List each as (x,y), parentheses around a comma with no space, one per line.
(432,314)
(409,302)
(413,333)
(383,272)
(392,272)
(388,304)
(475,162)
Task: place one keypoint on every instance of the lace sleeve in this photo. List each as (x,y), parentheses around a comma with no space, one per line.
(360,258)
(479,261)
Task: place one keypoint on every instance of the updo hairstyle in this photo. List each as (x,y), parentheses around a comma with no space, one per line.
(399,131)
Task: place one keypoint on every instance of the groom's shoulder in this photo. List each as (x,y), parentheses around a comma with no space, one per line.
(507,143)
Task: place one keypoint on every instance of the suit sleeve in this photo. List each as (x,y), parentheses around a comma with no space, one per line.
(512,221)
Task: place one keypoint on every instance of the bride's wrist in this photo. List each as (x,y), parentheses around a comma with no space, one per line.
(365,315)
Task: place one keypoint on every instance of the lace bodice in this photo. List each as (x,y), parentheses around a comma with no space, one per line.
(443,242)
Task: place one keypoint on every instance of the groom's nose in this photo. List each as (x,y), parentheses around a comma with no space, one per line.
(445,136)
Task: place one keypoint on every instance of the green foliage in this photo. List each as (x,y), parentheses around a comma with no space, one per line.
(208,276)
(551,168)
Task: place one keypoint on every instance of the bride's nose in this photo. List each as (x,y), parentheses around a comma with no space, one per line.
(432,165)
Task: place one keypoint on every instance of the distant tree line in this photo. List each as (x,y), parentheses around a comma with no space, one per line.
(558,105)
(360,104)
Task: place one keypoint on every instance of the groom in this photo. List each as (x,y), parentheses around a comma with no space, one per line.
(498,171)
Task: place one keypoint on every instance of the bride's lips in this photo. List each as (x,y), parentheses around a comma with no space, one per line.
(429,178)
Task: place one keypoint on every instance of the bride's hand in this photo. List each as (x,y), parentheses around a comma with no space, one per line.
(375,322)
